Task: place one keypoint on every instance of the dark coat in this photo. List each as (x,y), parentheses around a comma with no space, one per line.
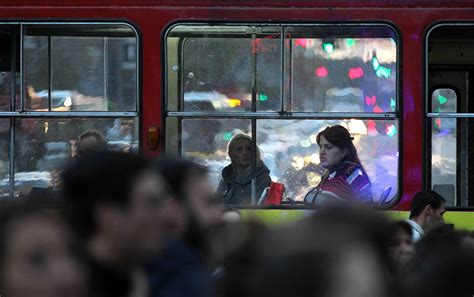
(232,191)
(179,272)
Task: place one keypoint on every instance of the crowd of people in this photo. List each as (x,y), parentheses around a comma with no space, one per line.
(124,225)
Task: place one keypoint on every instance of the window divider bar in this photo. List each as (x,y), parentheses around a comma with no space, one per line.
(22,66)
(278,115)
(254,73)
(11,162)
(59,114)
(50,77)
(282,68)
(253,188)
(13,73)
(449,115)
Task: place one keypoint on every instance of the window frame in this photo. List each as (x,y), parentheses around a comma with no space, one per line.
(428,116)
(13,114)
(283,114)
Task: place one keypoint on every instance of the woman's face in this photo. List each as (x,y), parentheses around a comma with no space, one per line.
(39,262)
(241,154)
(329,154)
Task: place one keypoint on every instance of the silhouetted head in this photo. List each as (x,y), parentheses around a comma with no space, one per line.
(428,202)
(91,141)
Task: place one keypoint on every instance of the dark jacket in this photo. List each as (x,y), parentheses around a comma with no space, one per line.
(105,281)
(233,191)
(179,272)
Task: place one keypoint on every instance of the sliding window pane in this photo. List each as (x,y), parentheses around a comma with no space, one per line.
(206,142)
(291,152)
(9,66)
(36,73)
(343,69)
(4,158)
(44,145)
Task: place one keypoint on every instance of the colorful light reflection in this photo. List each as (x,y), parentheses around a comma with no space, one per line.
(391,130)
(356,73)
(328,47)
(321,71)
(370,100)
(442,99)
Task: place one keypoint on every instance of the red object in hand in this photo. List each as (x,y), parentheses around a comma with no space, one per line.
(275,194)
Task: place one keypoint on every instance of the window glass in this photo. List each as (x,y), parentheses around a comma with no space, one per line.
(66,68)
(4,157)
(210,148)
(85,73)
(9,66)
(37,74)
(227,71)
(291,152)
(343,74)
(451,159)
(42,146)
(224,70)
(444,100)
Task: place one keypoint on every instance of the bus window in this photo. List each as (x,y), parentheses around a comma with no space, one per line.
(335,72)
(280,86)
(4,155)
(73,78)
(290,151)
(224,70)
(80,73)
(43,146)
(450,112)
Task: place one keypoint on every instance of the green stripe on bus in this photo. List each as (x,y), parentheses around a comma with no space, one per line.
(461,220)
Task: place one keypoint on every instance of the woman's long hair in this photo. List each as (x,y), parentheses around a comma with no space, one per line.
(339,136)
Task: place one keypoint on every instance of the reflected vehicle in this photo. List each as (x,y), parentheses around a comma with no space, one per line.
(39,101)
(40,179)
(213,101)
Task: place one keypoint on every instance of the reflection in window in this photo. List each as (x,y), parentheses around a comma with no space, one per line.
(443,157)
(43,146)
(4,156)
(82,73)
(444,100)
(66,68)
(268,82)
(288,148)
(218,73)
(344,74)
(210,148)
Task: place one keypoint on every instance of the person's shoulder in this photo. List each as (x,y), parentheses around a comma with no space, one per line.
(227,173)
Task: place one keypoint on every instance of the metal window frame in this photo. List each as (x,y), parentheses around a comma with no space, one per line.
(282,114)
(285,113)
(13,114)
(428,116)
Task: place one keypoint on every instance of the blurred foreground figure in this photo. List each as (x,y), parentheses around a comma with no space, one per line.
(36,255)
(182,270)
(443,264)
(427,209)
(337,253)
(115,204)
(402,249)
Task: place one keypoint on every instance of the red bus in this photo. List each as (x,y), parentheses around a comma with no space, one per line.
(183,77)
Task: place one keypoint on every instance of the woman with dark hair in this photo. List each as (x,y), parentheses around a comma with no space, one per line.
(345,179)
